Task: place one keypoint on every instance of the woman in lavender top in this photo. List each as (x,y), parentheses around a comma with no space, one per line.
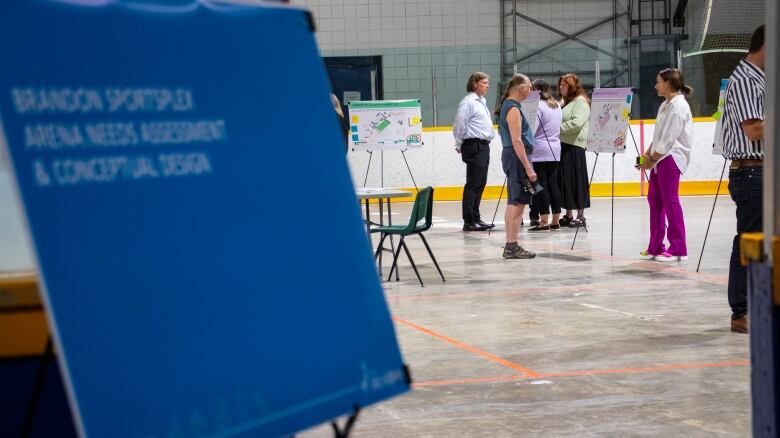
(545,158)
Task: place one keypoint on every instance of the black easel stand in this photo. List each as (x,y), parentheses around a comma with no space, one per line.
(382,168)
(500,195)
(381,200)
(370,156)
(344,433)
(37,389)
(403,154)
(592,174)
(612,219)
(717,192)
(636,148)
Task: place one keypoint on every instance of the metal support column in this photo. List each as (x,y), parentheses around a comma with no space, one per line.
(764,277)
(772,132)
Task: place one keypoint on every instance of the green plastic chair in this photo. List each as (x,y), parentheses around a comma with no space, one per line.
(419,221)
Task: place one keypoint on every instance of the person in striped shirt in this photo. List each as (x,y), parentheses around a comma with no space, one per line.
(743,141)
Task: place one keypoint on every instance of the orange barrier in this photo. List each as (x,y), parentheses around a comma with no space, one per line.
(22,319)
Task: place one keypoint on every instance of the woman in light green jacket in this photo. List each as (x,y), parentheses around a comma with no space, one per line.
(574,136)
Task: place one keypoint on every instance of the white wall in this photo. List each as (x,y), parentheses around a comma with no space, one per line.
(417,40)
(458,37)
(15,252)
(438,165)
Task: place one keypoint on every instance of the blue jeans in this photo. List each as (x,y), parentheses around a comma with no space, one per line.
(746,186)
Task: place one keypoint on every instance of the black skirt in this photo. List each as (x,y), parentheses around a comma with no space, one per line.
(574,177)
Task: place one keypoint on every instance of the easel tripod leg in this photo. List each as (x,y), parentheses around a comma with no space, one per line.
(344,433)
(592,174)
(500,195)
(712,212)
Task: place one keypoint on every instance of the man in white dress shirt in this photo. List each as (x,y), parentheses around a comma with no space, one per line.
(473,131)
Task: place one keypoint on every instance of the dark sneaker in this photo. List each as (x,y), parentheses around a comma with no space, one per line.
(473,227)
(539,228)
(564,221)
(535,222)
(518,253)
(555,227)
(486,225)
(740,325)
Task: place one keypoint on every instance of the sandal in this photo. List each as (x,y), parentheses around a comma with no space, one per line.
(576,223)
(564,221)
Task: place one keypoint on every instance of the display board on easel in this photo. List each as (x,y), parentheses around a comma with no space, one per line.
(608,124)
(531,109)
(610,111)
(718,143)
(385,125)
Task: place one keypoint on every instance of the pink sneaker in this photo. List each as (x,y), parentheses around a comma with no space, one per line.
(665,257)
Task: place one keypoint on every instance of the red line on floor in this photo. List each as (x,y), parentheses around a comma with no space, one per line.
(470,348)
(654,369)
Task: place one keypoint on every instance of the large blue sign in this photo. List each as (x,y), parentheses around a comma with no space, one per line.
(200,245)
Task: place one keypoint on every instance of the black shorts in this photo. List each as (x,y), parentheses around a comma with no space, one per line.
(515,178)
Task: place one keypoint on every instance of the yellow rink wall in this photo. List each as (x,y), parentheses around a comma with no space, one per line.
(597,190)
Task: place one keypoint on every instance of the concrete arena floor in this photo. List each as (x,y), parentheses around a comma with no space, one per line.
(572,343)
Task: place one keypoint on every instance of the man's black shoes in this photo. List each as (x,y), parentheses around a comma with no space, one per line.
(474,227)
(487,226)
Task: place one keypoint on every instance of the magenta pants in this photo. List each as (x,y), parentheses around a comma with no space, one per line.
(665,208)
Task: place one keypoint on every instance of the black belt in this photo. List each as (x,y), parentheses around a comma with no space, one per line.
(739,164)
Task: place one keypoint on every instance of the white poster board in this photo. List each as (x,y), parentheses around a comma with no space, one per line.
(350,96)
(385,124)
(531,110)
(718,141)
(608,124)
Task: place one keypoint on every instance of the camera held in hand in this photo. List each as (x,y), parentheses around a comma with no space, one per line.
(533,187)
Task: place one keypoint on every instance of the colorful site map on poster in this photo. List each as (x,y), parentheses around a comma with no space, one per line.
(608,124)
(385,124)
(718,141)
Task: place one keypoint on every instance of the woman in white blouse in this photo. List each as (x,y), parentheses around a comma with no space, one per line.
(667,158)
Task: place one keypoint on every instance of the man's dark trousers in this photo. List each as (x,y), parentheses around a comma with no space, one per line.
(476,154)
(746,186)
